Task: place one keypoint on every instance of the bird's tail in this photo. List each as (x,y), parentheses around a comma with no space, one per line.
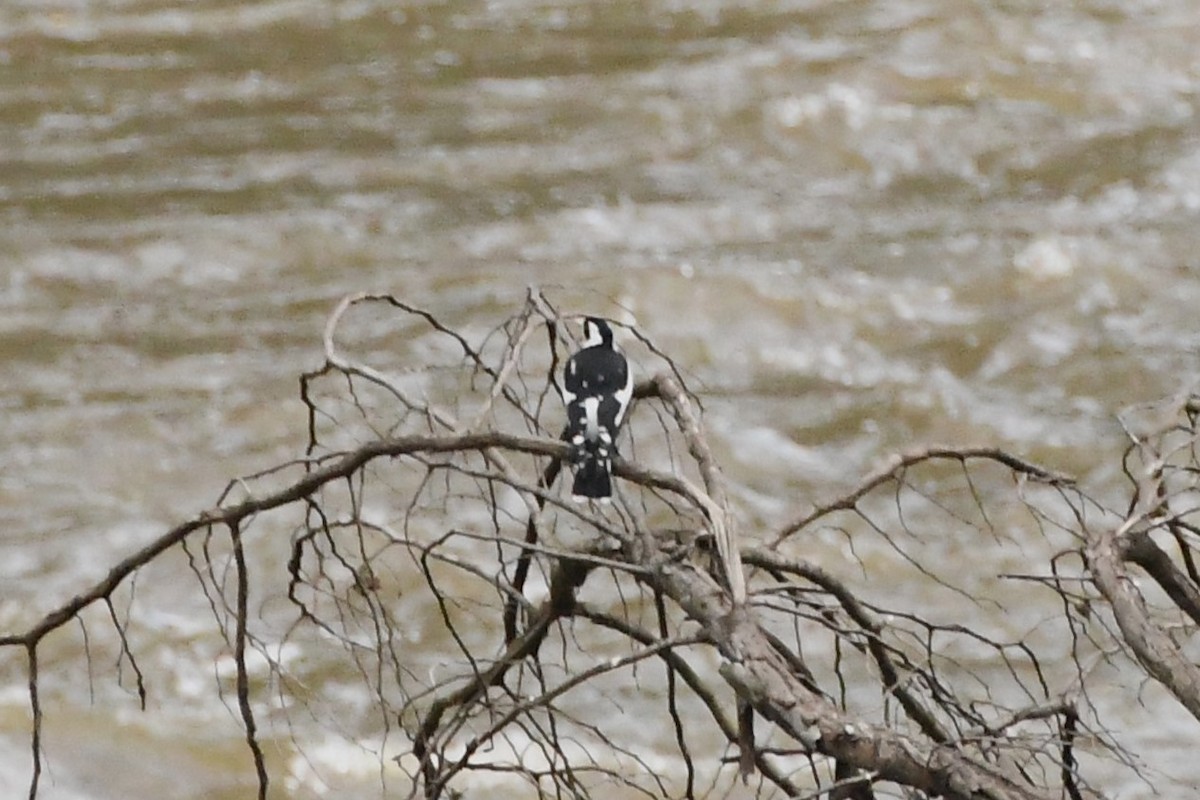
(593,477)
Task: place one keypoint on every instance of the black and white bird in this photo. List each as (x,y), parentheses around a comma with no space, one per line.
(597,387)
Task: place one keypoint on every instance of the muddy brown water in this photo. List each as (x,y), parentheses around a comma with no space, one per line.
(860,225)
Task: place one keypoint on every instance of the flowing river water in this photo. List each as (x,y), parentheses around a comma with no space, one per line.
(860,225)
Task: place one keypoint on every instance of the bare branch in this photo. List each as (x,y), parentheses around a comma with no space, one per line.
(898,463)
(436,557)
(715,502)
(1150,644)
(239,657)
(761,675)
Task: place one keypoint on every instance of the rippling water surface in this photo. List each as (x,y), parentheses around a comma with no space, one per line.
(860,226)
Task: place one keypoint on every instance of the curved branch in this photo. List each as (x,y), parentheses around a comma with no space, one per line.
(342,467)
(904,460)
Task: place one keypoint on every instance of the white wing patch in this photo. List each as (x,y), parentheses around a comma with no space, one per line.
(567,395)
(623,396)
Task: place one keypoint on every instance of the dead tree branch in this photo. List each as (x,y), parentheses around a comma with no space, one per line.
(432,558)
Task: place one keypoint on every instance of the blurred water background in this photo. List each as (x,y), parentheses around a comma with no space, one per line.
(860,225)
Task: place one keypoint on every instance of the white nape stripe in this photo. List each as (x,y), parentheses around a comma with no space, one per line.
(592,336)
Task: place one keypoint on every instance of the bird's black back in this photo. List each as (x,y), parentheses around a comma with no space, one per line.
(597,388)
(595,371)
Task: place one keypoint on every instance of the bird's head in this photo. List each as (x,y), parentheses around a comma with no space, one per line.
(596,332)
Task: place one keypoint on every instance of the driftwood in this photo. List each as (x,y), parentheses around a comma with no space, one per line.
(769,639)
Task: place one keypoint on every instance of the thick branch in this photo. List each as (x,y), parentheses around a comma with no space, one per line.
(1143,551)
(1150,644)
(763,677)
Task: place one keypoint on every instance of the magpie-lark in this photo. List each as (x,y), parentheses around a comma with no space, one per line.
(597,387)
